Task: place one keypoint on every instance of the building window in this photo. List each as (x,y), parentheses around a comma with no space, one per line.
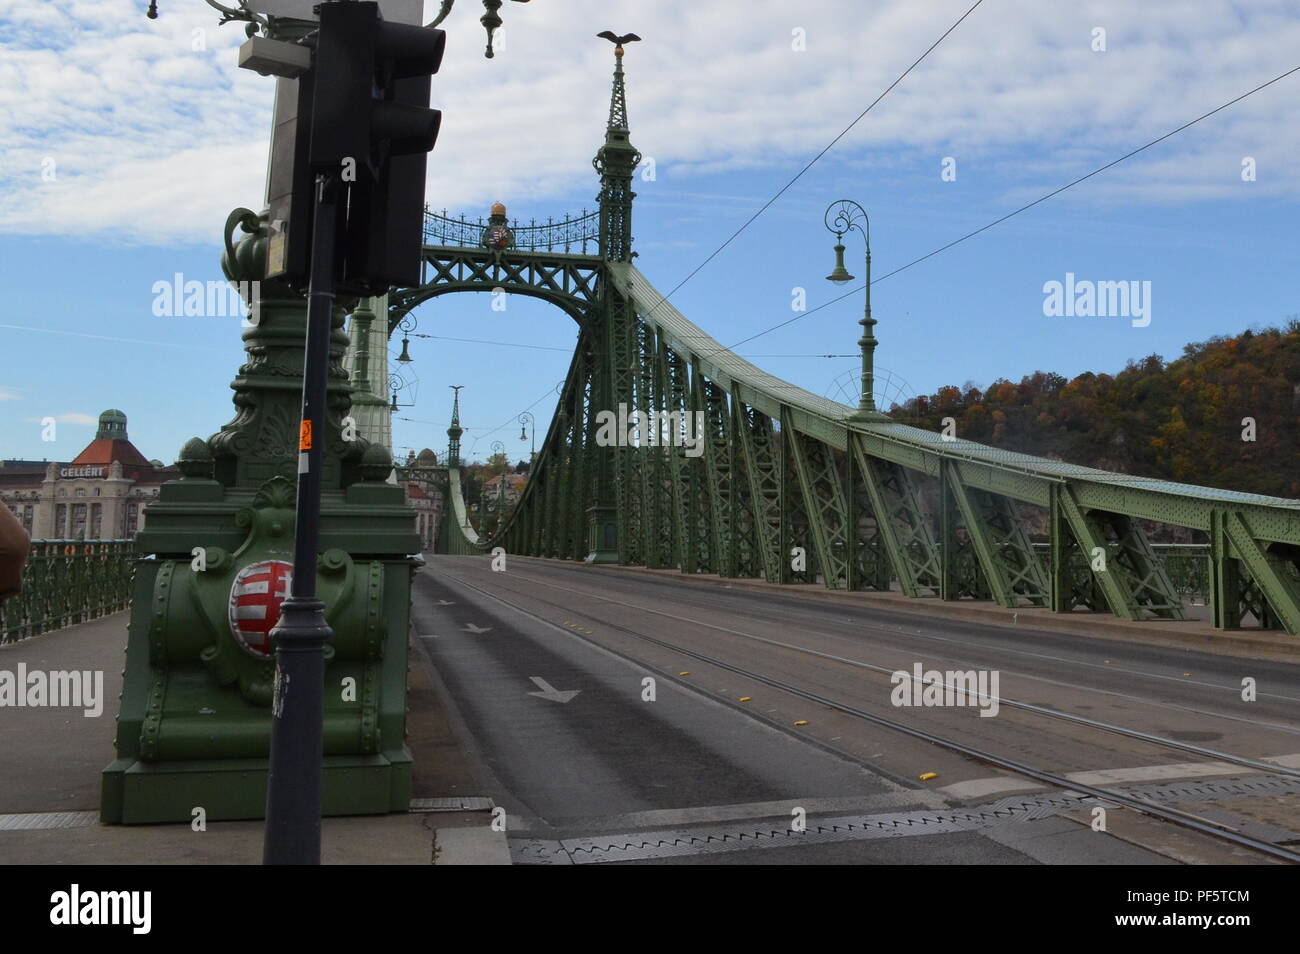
(61,522)
(132,518)
(96,518)
(97,491)
(78,522)
(79,492)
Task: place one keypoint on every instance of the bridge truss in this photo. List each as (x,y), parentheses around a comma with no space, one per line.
(789,490)
(784,486)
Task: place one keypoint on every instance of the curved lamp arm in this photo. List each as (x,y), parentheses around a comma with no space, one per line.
(845,215)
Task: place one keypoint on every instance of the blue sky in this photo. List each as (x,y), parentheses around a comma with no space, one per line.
(157,141)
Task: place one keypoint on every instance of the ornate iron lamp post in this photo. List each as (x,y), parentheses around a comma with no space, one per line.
(255,12)
(395,384)
(500,448)
(845,215)
(527,427)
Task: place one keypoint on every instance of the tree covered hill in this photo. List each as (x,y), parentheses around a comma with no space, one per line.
(1189,420)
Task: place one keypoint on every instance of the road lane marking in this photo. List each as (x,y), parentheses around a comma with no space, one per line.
(880,628)
(1039,710)
(1154,773)
(550,693)
(983,787)
(977,787)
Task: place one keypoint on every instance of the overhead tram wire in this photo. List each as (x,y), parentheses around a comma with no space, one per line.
(513,344)
(1023,208)
(466,428)
(513,419)
(748,222)
(812,162)
(503,344)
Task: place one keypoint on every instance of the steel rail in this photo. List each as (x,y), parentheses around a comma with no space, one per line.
(1176,816)
(883,630)
(1013,703)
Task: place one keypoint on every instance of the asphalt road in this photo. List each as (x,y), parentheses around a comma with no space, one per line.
(547,666)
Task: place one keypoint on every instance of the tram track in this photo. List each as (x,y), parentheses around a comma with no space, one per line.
(869,628)
(1209,827)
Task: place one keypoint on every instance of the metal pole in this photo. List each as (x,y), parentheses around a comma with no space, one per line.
(867,343)
(293,785)
(500,448)
(843,216)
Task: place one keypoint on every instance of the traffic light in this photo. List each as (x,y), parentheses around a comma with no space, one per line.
(371,125)
(290,190)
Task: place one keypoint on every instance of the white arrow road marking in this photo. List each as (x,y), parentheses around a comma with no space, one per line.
(477,630)
(550,692)
(445,603)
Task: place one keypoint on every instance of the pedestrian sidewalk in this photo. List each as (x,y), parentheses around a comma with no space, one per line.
(51,759)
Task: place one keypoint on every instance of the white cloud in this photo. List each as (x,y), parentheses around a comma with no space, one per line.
(8,395)
(69,417)
(154,142)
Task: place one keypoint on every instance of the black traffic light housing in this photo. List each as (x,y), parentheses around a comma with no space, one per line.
(363,118)
(362,112)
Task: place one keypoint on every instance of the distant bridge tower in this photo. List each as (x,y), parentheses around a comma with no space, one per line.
(455,430)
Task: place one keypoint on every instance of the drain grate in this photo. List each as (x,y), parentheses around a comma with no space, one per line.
(455,803)
(1015,809)
(39,821)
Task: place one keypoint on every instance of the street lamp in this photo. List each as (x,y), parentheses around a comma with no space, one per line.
(845,215)
(395,383)
(527,421)
(256,13)
(500,448)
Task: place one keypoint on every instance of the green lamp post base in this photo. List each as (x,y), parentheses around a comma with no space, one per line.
(868,417)
(216,561)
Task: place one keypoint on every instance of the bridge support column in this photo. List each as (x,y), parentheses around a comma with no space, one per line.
(193,728)
(948,586)
(602,534)
(1060,588)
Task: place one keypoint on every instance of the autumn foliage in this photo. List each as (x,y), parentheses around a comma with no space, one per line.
(1182,421)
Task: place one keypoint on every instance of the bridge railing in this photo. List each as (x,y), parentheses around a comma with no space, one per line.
(67,582)
(1187,564)
(459,535)
(573,234)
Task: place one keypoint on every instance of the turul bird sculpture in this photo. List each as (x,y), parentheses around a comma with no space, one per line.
(618,41)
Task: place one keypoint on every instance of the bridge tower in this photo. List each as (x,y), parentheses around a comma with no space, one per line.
(615,336)
(454,431)
(616,161)
(367,363)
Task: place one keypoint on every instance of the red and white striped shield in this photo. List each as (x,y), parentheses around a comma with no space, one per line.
(255,599)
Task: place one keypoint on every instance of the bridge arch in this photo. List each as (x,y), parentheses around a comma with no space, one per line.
(572,283)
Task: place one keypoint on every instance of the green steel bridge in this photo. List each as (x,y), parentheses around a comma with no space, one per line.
(793,488)
(776,484)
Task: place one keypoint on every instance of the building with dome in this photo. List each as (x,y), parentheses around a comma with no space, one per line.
(424,495)
(98,495)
